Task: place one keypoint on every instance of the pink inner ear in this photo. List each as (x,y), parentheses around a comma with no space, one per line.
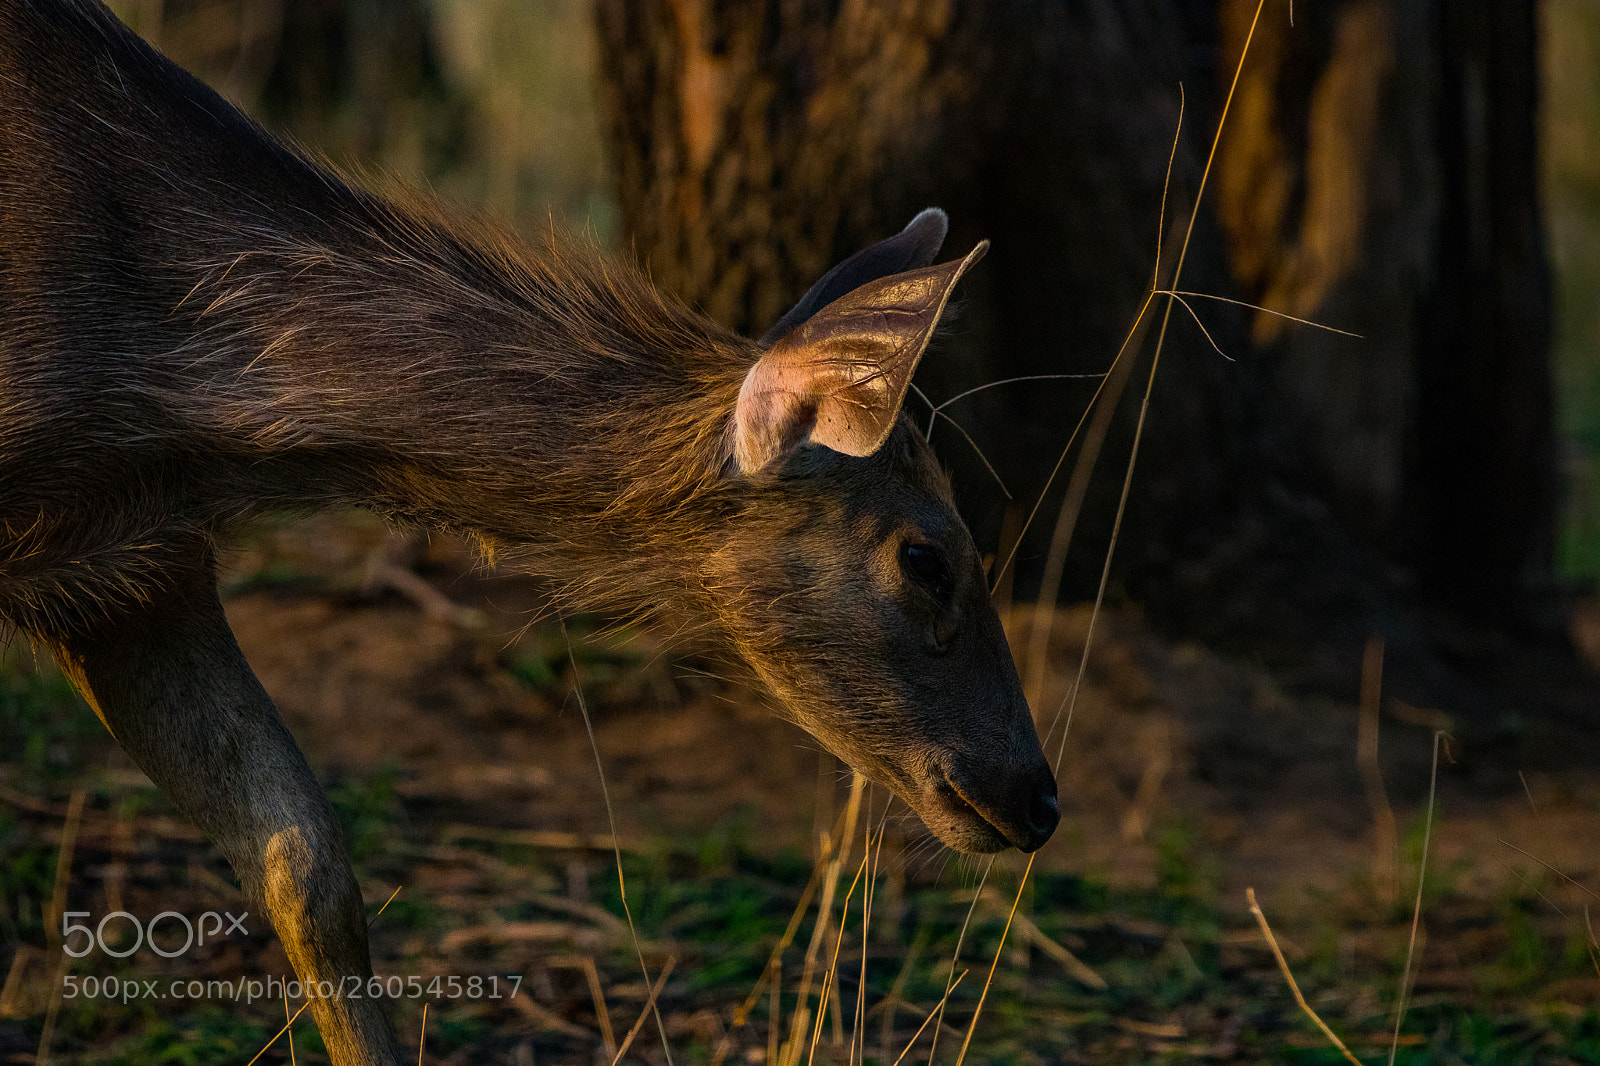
(839,377)
(793,394)
(775,412)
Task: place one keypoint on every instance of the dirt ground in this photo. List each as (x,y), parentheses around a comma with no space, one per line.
(394,660)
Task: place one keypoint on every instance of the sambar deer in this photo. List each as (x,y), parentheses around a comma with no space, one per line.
(198,324)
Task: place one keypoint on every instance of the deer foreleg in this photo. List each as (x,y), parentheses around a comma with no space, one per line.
(171,684)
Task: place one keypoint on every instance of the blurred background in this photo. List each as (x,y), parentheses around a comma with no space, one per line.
(1424,179)
(1335,547)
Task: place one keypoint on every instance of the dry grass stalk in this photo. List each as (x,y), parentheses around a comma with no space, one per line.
(58,905)
(1081,971)
(1116,378)
(837,1011)
(833,967)
(1580,886)
(1137,818)
(774,1013)
(1103,404)
(289,1025)
(1277,953)
(1385,861)
(13,1002)
(289,1018)
(601,1011)
(936,1012)
(1070,701)
(1416,913)
(611,820)
(977,1011)
(422,1040)
(830,885)
(773,972)
(1594,945)
(649,1009)
(1526,791)
(599,915)
(858,1032)
(950,981)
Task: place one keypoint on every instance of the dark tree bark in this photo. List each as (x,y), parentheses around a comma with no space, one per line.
(755,144)
(1380,173)
(1377,175)
(1485,484)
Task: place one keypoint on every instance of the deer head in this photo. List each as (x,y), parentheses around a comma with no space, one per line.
(849,581)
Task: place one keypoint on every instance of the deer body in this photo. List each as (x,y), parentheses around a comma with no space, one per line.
(197,325)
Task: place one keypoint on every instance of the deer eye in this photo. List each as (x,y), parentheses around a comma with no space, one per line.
(927,567)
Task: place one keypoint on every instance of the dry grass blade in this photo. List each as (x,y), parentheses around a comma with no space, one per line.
(1011,381)
(1594,945)
(833,963)
(830,887)
(937,1012)
(1089,456)
(58,905)
(858,1032)
(1028,928)
(1067,448)
(774,968)
(422,1040)
(1580,886)
(546,1018)
(1416,913)
(289,1025)
(602,1013)
(774,1012)
(647,1011)
(936,412)
(374,919)
(961,937)
(1200,324)
(1277,953)
(1103,406)
(288,1019)
(1258,307)
(591,973)
(611,819)
(280,1032)
(1069,702)
(983,996)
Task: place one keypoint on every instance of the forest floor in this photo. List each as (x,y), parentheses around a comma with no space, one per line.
(447,730)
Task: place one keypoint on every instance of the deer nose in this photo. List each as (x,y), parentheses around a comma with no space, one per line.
(1044,813)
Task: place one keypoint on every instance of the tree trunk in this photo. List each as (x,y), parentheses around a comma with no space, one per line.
(1377,175)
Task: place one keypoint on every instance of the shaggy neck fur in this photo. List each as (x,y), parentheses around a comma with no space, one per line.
(199,324)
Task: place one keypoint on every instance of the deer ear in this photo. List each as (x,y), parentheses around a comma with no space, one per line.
(915,246)
(839,377)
